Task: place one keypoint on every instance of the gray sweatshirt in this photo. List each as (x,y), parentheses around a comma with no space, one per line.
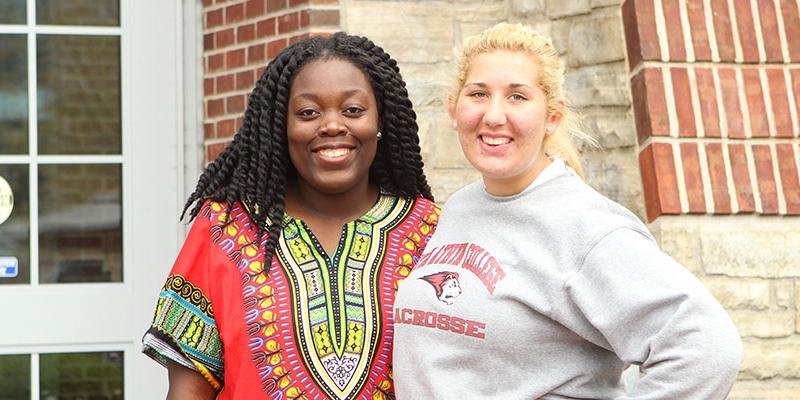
(552,293)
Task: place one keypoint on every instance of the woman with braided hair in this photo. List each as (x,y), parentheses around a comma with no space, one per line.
(303,228)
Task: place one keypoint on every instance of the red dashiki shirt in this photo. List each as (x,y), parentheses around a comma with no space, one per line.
(316,327)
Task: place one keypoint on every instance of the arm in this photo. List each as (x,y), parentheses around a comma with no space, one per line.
(187,384)
(654,313)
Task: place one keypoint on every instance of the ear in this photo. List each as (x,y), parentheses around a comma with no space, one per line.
(555,117)
(451,109)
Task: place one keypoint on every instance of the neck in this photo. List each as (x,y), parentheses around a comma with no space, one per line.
(510,186)
(305,202)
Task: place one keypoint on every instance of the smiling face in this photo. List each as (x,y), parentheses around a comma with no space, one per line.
(501,118)
(332,123)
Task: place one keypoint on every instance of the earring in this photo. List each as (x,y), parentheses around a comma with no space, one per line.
(379,135)
(455,125)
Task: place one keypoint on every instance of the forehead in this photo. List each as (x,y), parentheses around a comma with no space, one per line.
(503,66)
(330,75)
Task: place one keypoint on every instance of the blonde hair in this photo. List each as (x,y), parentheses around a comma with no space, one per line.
(521,38)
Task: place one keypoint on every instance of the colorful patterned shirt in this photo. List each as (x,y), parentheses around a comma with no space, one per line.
(315,327)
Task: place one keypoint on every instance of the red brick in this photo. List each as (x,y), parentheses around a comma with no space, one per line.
(234,13)
(235,104)
(215,108)
(225,83)
(719,178)
(789,177)
(795,78)
(225,38)
(659,180)
(216,62)
(214,18)
(288,22)
(305,18)
(723,30)
(208,41)
(741,178)
(208,2)
(692,176)
(747,31)
(234,58)
(675,40)
(214,150)
(755,102)
(779,97)
(265,28)
(683,102)
(256,53)
(641,38)
(707,95)
(769,31)
(791,26)
(765,175)
(254,9)
(245,33)
(730,101)
(295,3)
(297,38)
(226,127)
(245,80)
(208,86)
(209,131)
(649,104)
(274,47)
(275,5)
(699,32)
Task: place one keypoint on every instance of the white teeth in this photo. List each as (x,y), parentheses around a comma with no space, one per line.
(333,153)
(495,141)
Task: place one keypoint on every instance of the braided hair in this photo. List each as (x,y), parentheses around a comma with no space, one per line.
(255,167)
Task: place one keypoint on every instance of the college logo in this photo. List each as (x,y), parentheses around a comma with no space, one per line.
(445,284)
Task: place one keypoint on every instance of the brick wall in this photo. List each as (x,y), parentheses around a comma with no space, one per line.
(239,38)
(716,93)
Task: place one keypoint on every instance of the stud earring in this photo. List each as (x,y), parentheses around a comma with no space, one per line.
(455,125)
(379,135)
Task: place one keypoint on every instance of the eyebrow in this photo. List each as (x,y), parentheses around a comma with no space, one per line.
(314,96)
(512,85)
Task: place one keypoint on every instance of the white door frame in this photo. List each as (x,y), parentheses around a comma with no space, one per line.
(157,155)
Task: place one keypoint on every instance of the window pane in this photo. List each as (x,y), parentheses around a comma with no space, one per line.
(13,93)
(15,230)
(79,94)
(15,376)
(78,376)
(80,223)
(12,12)
(77,12)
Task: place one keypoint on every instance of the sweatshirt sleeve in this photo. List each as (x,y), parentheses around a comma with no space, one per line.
(654,313)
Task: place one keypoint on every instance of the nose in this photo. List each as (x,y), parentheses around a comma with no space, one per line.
(332,124)
(495,114)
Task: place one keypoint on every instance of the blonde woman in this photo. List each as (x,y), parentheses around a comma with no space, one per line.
(561,289)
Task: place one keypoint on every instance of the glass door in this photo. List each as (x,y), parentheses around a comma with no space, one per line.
(77,99)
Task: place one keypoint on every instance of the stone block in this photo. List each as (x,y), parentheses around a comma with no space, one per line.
(598,85)
(444,182)
(596,40)
(564,8)
(559,34)
(767,359)
(528,8)
(615,174)
(419,32)
(605,3)
(784,293)
(739,293)
(754,252)
(779,388)
(797,308)
(764,324)
(446,147)
(612,127)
